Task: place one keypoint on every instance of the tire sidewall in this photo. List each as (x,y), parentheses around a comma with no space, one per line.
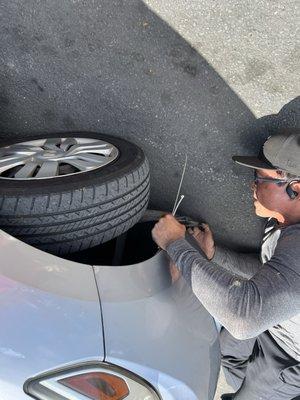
(130,158)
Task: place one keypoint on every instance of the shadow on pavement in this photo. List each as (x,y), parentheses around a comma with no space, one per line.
(116,67)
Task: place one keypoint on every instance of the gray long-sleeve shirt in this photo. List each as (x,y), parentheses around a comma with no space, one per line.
(247,295)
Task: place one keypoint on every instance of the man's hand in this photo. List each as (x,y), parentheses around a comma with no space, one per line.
(167,230)
(205,240)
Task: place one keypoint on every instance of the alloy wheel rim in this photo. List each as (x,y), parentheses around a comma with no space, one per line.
(54,158)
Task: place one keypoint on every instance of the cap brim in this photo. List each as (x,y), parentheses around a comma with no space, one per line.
(253,162)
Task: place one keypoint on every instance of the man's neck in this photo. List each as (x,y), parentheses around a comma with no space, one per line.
(290,220)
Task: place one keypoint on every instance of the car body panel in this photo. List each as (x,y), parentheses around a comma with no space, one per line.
(50,315)
(51,318)
(159,330)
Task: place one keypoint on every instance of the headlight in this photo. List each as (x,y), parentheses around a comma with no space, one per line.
(90,382)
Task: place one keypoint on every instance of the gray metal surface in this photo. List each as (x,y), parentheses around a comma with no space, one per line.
(50,314)
(48,158)
(159,330)
(175,77)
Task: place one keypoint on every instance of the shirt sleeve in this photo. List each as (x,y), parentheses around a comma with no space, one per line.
(243,264)
(245,307)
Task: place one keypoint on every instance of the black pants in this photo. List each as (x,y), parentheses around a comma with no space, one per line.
(259,369)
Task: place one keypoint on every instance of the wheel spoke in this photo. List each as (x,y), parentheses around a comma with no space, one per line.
(11,162)
(93,158)
(51,143)
(67,143)
(95,147)
(27,171)
(80,164)
(19,150)
(48,169)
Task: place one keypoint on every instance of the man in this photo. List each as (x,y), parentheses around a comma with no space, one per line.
(256,301)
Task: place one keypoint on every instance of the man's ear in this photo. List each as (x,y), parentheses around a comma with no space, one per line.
(296,187)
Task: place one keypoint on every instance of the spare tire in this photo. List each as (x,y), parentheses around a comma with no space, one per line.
(67,192)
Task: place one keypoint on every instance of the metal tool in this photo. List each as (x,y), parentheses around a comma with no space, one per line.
(176,204)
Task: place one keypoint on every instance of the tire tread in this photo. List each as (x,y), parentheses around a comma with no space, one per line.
(77,219)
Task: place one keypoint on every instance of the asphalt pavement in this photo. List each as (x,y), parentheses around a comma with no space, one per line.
(169,76)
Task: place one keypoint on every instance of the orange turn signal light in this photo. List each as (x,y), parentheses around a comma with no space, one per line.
(97,385)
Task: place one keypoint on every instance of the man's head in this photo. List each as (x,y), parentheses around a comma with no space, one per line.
(276,187)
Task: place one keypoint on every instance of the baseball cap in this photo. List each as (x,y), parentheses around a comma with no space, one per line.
(281,151)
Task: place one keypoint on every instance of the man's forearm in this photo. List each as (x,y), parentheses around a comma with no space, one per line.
(245,265)
(242,264)
(245,307)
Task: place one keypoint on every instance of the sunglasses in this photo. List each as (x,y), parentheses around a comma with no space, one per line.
(277,181)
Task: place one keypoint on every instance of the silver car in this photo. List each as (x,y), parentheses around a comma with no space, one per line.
(78,331)
(89,311)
